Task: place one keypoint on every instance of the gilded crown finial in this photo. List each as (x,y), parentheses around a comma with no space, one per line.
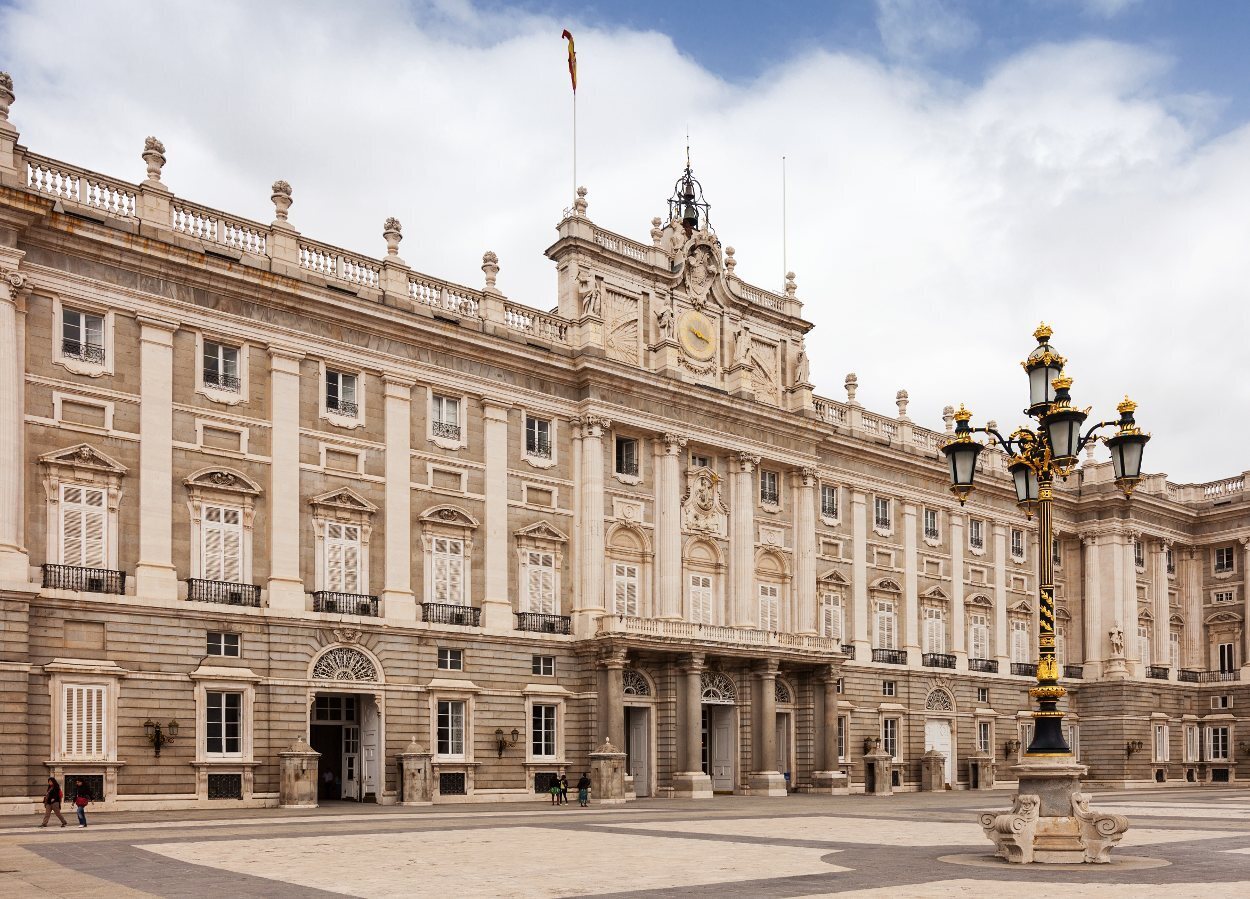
(1063,382)
(1043,332)
(963,413)
(1126,405)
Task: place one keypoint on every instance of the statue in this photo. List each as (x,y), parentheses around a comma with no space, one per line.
(1117,641)
(742,345)
(591,295)
(802,366)
(664,319)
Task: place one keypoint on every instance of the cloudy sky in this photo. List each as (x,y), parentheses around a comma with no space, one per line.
(957,170)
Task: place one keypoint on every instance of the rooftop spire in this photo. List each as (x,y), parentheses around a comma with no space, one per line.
(687,204)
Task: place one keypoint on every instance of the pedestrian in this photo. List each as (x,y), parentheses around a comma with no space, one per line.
(564,788)
(82,796)
(583,790)
(52,802)
(554,790)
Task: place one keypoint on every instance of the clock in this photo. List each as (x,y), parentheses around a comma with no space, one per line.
(697,335)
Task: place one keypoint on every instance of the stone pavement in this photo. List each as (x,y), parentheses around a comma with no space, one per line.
(1193,842)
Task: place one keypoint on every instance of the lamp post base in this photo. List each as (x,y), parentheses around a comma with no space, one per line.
(1051,821)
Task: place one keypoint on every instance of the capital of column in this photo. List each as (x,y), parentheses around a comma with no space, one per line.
(672,444)
(397,387)
(615,657)
(495,410)
(806,476)
(694,663)
(1087,539)
(957,517)
(747,462)
(829,673)
(156,330)
(592,425)
(1244,541)
(1000,529)
(12,281)
(767,669)
(284,359)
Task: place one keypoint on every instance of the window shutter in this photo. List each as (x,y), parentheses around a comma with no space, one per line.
(1174,650)
(84,722)
(625,585)
(831,616)
(83,526)
(1143,637)
(769,611)
(1060,649)
(885,626)
(351,560)
(701,598)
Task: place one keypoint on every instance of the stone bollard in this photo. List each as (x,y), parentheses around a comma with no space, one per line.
(299,775)
(879,767)
(932,772)
(980,771)
(607,774)
(414,773)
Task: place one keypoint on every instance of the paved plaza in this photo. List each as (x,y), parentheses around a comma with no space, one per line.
(1182,843)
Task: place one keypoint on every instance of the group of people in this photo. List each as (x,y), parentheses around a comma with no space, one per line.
(559,790)
(52,801)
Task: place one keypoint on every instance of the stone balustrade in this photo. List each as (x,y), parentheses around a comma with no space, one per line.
(716,635)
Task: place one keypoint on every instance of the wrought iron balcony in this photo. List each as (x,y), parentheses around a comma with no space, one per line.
(988,666)
(345,603)
(223,592)
(544,624)
(1209,676)
(218,381)
(1075,672)
(829,510)
(629,469)
(1158,672)
(770,497)
(890,656)
(1188,676)
(931,534)
(446,429)
(1024,669)
(342,407)
(937,660)
(882,522)
(539,448)
(848,650)
(84,580)
(87,352)
(976,542)
(450,613)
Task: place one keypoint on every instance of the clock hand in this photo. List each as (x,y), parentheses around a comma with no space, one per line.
(699,334)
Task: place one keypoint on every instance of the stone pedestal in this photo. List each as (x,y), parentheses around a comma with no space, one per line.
(692,785)
(829,782)
(932,772)
(1051,821)
(879,767)
(1117,669)
(738,381)
(414,768)
(980,771)
(666,356)
(299,775)
(607,775)
(767,783)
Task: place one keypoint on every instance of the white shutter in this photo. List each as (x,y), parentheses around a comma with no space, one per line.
(540,582)
(1060,647)
(83,526)
(885,625)
(83,736)
(831,616)
(448,558)
(1019,641)
(1174,649)
(701,598)
(625,587)
(1143,641)
(980,637)
(343,554)
(221,530)
(770,611)
(934,631)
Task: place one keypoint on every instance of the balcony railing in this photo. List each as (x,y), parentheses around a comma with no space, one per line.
(223,592)
(890,656)
(87,352)
(988,666)
(848,650)
(937,660)
(829,510)
(1025,669)
(1188,676)
(1209,676)
(449,613)
(931,534)
(540,449)
(543,624)
(770,497)
(1158,672)
(345,603)
(84,580)
(446,429)
(342,407)
(629,469)
(1075,672)
(218,381)
(976,542)
(687,633)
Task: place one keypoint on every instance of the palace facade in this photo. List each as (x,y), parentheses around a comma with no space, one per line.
(255,488)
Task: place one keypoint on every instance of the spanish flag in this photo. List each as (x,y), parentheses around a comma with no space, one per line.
(572,59)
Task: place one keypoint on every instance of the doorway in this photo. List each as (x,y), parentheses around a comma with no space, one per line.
(345,730)
(718,746)
(937,735)
(638,748)
(785,747)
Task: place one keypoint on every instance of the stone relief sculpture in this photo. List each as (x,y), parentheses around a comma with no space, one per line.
(664,318)
(742,345)
(1117,640)
(802,366)
(621,312)
(591,295)
(702,508)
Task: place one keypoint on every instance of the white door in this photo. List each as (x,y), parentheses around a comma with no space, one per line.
(722,748)
(370,721)
(351,762)
(784,764)
(937,735)
(639,751)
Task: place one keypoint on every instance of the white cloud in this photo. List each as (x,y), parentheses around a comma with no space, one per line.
(931,224)
(917,29)
(1106,9)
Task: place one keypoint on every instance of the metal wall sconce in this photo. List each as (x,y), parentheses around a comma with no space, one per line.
(1134,746)
(1012,747)
(157,737)
(502,742)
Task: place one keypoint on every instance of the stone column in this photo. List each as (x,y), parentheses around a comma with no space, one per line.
(1160,637)
(611,695)
(766,780)
(828,777)
(1196,652)
(690,782)
(496,604)
(154,574)
(1126,600)
(859,576)
(1245,594)
(958,542)
(590,526)
(742,540)
(1092,629)
(805,550)
(14,560)
(668,493)
(1000,598)
(398,600)
(911,599)
(286,583)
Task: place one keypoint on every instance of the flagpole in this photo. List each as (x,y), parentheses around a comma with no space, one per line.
(574,143)
(785,263)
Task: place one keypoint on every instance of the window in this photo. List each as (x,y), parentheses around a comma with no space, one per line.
(1223,559)
(540,582)
(1223,596)
(1020,641)
(1162,751)
(84,526)
(341,393)
(445,413)
(1191,742)
(543,666)
(222,723)
(881,516)
(450,727)
(697,461)
(1217,744)
(83,736)
(831,616)
(931,531)
(1221,702)
(1017,543)
(627,456)
(451,659)
(221,543)
(223,644)
(1174,649)
(979,635)
(934,631)
(221,367)
(447,583)
(1055,555)
(625,589)
(1143,643)
(886,629)
(1227,660)
(1026,739)
(1171,560)
(1071,733)
(985,737)
(829,501)
(82,336)
(537,437)
(1060,649)
(976,533)
(842,733)
(770,607)
(769,493)
(983,694)
(335,708)
(343,551)
(544,731)
(838,687)
(701,598)
(1139,554)
(889,688)
(889,736)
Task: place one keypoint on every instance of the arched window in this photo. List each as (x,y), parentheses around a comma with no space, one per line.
(718,688)
(344,664)
(628,571)
(635,683)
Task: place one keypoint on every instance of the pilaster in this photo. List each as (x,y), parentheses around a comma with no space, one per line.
(859,575)
(668,587)
(1091,606)
(14,560)
(911,599)
(1160,637)
(1195,638)
(154,574)
(286,585)
(611,696)
(805,549)
(398,600)
(742,541)
(496,604)
(1245,602)
(590,525)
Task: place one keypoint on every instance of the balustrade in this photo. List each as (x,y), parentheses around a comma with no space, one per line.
(84,580)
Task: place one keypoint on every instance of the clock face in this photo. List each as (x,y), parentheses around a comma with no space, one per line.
(697,335)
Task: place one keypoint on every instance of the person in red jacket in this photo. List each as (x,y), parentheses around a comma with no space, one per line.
(52,803)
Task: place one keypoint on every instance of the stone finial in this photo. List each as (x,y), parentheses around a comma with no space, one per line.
(300,745)
(606,746)
(900,400)
(851,384)
(413,747)
(992,425)
(490,267)
(730,261)
(580,204)
(948,418)
(657,233)
(154,156)
(1089,451)
(791,286)
(281,199)
(6,95)
(392,230)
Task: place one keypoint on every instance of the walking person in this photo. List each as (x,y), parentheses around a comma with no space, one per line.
(554,790)
(52,803)
(583,790)
(564,788)
(82,796)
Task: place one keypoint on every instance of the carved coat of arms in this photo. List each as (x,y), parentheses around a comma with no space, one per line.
(702,268)
(702,508)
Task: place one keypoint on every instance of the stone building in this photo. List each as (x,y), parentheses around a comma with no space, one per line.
(255,488)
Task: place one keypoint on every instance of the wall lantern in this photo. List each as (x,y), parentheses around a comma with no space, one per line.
(158,737)
(502,742)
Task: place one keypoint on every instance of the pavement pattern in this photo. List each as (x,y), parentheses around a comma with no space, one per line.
(1182,843)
